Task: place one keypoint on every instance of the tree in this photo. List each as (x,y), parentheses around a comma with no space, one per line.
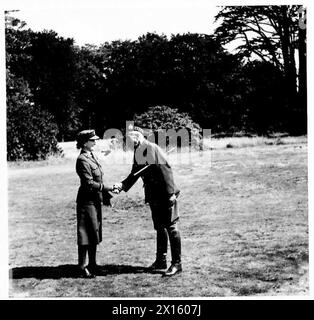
(188,72)
(52,79)
(159,118)
(31,131)
(204,77)
(273,34)
(47,63)
(262,87)
(90,87)
(17,44)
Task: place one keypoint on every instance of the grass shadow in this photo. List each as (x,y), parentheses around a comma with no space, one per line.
(70,271)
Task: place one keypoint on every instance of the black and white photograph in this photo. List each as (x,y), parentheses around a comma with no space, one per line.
(155,149)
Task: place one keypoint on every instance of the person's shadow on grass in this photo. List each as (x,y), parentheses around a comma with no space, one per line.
(71,271)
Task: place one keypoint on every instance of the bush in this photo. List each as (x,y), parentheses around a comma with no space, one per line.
(160,118)
(31,132)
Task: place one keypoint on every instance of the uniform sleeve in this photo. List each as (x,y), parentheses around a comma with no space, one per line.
(148,156)
(84,171)
(130,180)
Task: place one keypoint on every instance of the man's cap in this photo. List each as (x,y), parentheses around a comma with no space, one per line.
(86,135)
(135,128)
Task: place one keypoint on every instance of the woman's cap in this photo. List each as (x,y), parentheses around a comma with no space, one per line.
(86,135)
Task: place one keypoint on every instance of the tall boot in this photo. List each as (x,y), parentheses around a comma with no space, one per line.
(82,254)
(92,265)
(161,251)
(175,245)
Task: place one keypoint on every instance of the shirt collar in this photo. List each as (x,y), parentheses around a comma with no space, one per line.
(87,153)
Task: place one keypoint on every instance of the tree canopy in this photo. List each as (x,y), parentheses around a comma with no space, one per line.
(273,34)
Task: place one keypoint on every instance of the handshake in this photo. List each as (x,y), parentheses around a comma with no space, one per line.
(117,188)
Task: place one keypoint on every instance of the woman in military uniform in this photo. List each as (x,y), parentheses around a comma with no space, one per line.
(91,194)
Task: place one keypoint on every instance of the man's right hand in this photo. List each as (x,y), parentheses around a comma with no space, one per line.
(117,188)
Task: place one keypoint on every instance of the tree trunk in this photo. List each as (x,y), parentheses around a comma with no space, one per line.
(302,63)
(302,80)
(288,54)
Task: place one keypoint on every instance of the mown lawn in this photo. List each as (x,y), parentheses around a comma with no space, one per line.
(244,225)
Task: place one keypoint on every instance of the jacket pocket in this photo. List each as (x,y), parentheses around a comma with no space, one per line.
(95,170)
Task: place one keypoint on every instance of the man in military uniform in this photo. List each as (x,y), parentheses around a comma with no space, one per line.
(161,194)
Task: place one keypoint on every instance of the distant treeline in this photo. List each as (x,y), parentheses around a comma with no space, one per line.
(70,88)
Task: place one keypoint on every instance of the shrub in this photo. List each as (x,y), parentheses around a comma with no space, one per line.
(160,118)
(31,132)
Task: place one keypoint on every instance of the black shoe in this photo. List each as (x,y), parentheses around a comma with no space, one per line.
(94,269)
(85,273)
(173,269)
(159,266)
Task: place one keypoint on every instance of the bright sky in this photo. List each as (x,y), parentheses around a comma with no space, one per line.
(96,22)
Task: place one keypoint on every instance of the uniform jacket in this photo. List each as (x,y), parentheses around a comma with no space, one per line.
(92,190)
(158,177)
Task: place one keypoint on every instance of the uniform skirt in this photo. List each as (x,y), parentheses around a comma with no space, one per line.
(89,224)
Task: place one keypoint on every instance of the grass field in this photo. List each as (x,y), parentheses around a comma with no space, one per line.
(244,226)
